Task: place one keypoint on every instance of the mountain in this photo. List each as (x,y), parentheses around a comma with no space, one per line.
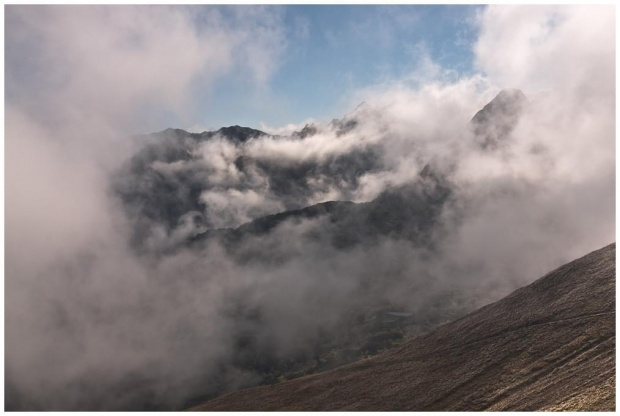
(495,121)
(547,346)
(246,196)
(407,212)
(308,130)
(236,134)
(177,175)
(168,177)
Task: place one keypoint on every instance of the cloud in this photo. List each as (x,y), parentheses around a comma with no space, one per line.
(129,63)
(95,321)
(302,27)
(80,79)
(549,49)
(232,207)
(286,130)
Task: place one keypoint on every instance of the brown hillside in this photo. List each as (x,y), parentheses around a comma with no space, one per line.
(547,346)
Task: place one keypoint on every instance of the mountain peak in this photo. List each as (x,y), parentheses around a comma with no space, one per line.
(240,134)
(496,120)
(308,130)
(510,94)
(506,101)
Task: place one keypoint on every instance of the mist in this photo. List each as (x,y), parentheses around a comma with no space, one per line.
(121,295)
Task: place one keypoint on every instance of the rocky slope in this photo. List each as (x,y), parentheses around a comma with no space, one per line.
(493,124)
(547,346)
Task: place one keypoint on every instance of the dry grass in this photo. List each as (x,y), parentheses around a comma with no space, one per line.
(547,346)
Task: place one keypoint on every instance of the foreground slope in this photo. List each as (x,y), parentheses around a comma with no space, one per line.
(547,346)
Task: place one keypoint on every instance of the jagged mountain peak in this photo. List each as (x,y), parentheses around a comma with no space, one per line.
(505,102)
(494,123)
(308,130)
(240,133)
(510,94)
(234,133)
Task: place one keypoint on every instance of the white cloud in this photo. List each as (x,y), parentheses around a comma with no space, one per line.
(551,49)
(81,303)
(120,65)
(231,207)
(286,130)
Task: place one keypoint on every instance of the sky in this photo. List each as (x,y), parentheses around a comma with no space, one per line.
(331,51)
(276,65)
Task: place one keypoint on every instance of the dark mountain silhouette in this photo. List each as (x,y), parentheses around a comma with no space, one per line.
(308,130)
(407,212)
(233,133)
(547,346)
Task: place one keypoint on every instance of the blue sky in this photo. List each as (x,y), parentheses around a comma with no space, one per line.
(144,68)
(333,51)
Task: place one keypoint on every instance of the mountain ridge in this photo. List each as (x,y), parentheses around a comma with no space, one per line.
(403,212)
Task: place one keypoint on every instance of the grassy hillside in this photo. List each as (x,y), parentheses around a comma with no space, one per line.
(547,346)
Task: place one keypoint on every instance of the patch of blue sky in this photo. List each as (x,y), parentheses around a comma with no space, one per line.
(332,51)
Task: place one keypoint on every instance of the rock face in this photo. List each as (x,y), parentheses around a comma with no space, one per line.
(495,121)
(547,346)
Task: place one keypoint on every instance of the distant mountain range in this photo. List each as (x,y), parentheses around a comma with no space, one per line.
(152,195)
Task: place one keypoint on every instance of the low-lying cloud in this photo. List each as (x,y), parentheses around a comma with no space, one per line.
(108,306)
